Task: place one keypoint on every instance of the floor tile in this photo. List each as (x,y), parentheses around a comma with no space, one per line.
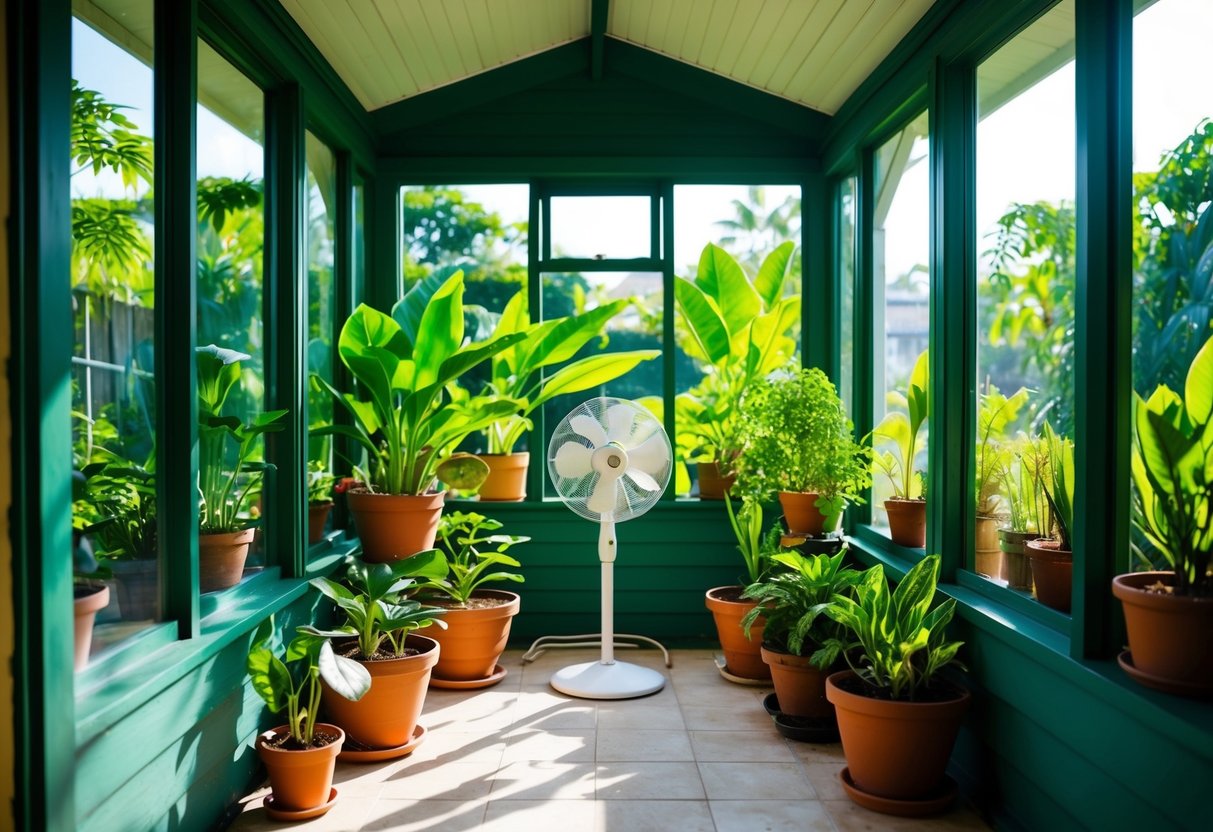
(539,816)
(851,817)
(626,744)
(631,714)
(812,753)
(543,780)
(648,781)
(756,781)
(770,816)
(711,718)
(456,746)
(824,777)
(423,816)
(554,746)
(741,746)
(550,710)
(440,781)
(347,813)
(654,816)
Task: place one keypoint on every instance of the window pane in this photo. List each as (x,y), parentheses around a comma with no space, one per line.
(748,222)
(901,296)
(113,380)
(846,280)
(602,227)
(1025,272)
(231,231)
(321,239)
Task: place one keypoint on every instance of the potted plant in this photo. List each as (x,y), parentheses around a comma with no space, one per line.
(477,620)
(1027,510)
(739,329)
(224,482)
(1052,558)
(319,499)
(797,630)
(379,633)
(907,508)
(742,647)
(401,418)
(516,377)
(797,442)
(995,413)
(122,506)
(301,754)
(89,594)
(897,717)
(1169,613)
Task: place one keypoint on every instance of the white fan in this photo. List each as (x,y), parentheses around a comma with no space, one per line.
(610,461)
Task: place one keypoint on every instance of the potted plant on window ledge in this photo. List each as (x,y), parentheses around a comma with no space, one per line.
(319,500)
(1027,509)
(993,458)
(1052,558)
(907,508)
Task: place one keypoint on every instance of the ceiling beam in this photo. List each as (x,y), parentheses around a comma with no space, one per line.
(598,23)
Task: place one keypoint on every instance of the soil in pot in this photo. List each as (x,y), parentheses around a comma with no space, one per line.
(475,636)
(1170,636)
(799,687)
(395,526)
(221,559)
(506,482)
(1016,570)
(317,516)
(907,521)
(1052,572)
(987,554)
(742,655)
(90,598)
(801,514)
(138,583)
(823,545)
(301,778)
(712,486)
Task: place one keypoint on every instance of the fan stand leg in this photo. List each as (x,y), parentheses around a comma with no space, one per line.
(622,641)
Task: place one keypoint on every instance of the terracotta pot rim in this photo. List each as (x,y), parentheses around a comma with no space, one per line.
(366,493)
(401,664)
(1007,530)
(321,504)
(909,500)
(332,748)
(879,707)
(1038,548)
(723,604)
(94,601)
(235,537)
(510,455)
(772,655)
(513,601)
(1129,588)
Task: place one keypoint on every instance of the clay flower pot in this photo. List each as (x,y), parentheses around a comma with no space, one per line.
(907,521)
(475,637)
(138,584)
(221,559)
(799,687)
(506,482)
(712,486)
(1016,570)
(386,716)
(801,513)
(90,598)
(895,750)
(742,656)
(301,779)
(987,554)
(1052,572)
(1170,636)
(395,526)
(317,516)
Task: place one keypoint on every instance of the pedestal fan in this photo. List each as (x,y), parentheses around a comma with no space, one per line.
(609,460)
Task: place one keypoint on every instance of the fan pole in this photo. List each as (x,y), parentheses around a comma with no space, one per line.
(606,554)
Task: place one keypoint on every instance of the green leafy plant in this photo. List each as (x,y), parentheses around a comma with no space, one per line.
(319,483)
(292,683)
(1059,486)
(403,363)
(995,413)
(121,496)
(461,536)
(794,604)
(899,431)
(1023,484)
(747,527)
(895,642)
(219,477)
(1172,467)
(375,603)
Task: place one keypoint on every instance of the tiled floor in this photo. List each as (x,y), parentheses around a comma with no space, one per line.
(700,755)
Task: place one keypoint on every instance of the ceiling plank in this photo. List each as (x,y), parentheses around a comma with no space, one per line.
(387,49)
(403,35)
(445,40)
(720,25)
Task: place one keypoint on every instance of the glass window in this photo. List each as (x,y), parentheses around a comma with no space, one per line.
(900,326)
(321,299)
(602,227)
(1026,179)
(113,377)
(846,280)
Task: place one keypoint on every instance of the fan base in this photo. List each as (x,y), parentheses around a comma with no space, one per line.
(595,680)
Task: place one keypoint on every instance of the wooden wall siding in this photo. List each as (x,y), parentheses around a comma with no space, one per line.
(388,50)
(813,52)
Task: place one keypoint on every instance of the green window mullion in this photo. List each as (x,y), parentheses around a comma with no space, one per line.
(286,322)
(343,305)
(534,298)
(663,230)
(385,268)
(1103,323)
(861,379)
(176,232)
(818,281)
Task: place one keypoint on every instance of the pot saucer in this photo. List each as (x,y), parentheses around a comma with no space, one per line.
(932,804)
(493,678)
(819,730)
(740,680)
(355,752)
(298,814)
(1175,686)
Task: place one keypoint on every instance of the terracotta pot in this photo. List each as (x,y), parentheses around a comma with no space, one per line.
(1052,572)
(90,598)
(799,687)
(302,779)
(138,583)
(812,545)
(907,521)
(395,526)
(987,555)
(742,656)
(475,638)
(1170,636)
(506,482)
(386,716)
(221,559)
(896,750)
(712,486)
(801,513)
(317,516)
(1016,570)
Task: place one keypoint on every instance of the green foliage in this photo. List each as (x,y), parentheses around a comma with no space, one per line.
(102,137)
(121,507)
(755,228)
(795,436)
(901,642)
(899,432)
(794,604)
(747,527)
(220,196)
(995,414)
(319,483)
(292,683)
(1023,481)
(460,538)
(1059,485)
(402,364)
(1172,466)
(374,603)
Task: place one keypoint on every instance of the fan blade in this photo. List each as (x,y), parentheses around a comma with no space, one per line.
(588,427)
(619,418)
(643,481)
(603,497)
(651,456)
(573,460)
